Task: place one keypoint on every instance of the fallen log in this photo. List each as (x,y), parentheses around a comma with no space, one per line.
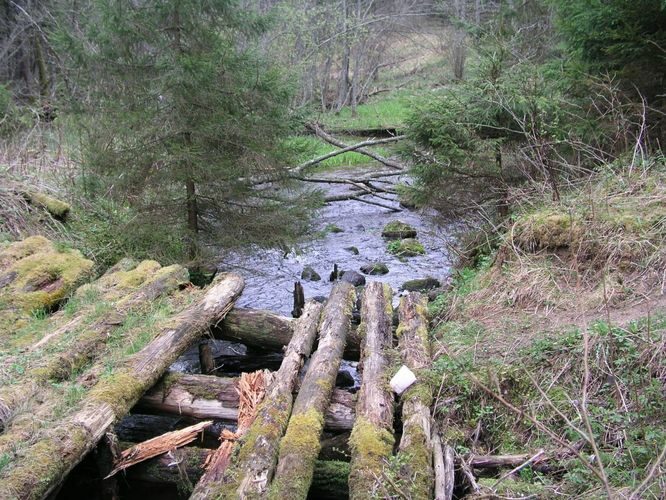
(359,197)
(345,149)
(250,475)
(444,467)
(41,466)
(300,445)
(207,396)
(269,331)
(332,140)
(372,436)
(252,390)
(416,401)
(183,468)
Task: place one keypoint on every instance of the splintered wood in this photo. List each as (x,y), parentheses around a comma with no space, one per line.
(251,391)
(157,446)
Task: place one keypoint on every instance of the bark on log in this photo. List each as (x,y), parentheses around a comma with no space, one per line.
(206,396)
(269,331)
(250,474)
(416,435)
(206,360)
(372,438)
(300,446)
(42,466)
(184,467)
(444,468)
(332,140)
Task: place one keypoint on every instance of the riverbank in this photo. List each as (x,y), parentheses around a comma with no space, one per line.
(554,340)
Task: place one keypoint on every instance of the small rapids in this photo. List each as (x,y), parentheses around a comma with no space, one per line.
(270,274)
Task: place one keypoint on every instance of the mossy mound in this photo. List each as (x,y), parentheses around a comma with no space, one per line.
(57,208)
(39,277)
(375,268)
(547,229)
(408,247)
(398,230)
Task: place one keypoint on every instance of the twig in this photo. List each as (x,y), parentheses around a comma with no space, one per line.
(532,459)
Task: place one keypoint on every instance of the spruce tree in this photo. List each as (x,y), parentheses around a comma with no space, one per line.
(183,112)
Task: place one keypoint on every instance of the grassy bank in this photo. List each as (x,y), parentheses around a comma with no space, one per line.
(554,338)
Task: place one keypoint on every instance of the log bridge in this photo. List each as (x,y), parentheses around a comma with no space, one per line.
(76,377)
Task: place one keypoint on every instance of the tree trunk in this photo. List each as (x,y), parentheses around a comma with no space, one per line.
(372,437)
(300,446)
(192,217)
(416,436)
(43,465)
(269,331)
(444,468)
(250,475)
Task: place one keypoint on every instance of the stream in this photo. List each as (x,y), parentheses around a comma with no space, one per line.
(270,274)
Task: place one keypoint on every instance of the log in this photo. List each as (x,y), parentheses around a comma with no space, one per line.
(416,401)
(268,331)
(40,467)
(206,360)
(332,140)
(206,396)
(250,474)
(300,446)
(444,468)
(372,437)
(345,149)
(183,468)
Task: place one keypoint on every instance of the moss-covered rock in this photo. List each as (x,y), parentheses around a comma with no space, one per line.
(37,278)
(398,230)
(375,268)
(420,285)
(547,229)
(57,208)
(309,274)
(408,247)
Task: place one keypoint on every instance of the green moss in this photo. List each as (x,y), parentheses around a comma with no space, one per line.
(21,249)
(515,488)
(57,208)
(330,479)
(417,471)
(371,446)
(547,229)
(397,230)
(119,390)
(301,443)
(44,279)
(408,247)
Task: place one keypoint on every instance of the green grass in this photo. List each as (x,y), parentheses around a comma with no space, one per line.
(309,147)
(388,110)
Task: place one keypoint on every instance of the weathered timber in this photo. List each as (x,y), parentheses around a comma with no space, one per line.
(184,467)
(206,396)
(90,343)
(301,444)
(252,389)
(86,344)
(299,300)
(372,436)
(416,434)
(269,331)
(40,467)
(250,475)
(444,467)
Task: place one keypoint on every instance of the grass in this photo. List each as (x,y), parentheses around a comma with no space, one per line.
(558,292)
(309,147)
(383,111)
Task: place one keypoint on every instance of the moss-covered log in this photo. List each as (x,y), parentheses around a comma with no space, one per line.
(39,467)
(267,330)
(57,208)
(416,441)
(301,444)
(183,468)
(208,396)
(372,437)
(250,474)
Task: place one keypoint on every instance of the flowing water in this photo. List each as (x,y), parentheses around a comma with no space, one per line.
(270,274)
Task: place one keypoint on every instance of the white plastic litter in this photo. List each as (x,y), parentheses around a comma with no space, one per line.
(402,380)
